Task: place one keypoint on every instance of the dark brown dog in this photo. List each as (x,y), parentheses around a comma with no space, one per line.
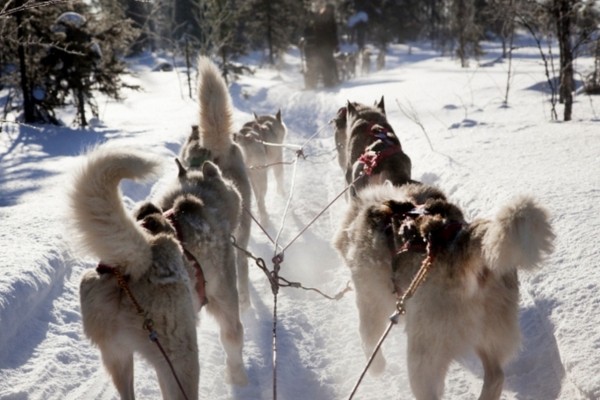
(367,146)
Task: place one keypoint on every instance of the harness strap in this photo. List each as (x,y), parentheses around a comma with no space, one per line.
(416,243)
(371,159)
(148,323)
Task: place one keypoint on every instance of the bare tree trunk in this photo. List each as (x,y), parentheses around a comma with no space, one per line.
(81,107)
(511,37)
(563,14)
(269,31)
(28,105)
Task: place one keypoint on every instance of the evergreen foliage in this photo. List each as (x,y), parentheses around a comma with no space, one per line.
(61,54)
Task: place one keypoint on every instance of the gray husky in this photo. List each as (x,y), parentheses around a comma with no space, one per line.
(367,146)
(212,140)
(205,209)
(257,138)
(147,255)
(469,301)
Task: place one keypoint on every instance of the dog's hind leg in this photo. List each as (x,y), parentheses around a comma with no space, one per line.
(242,236)
(187,369)
(278,172)
(259,182)
(119,363)
(232,338)
(493,376)
(428,361)
(374,308)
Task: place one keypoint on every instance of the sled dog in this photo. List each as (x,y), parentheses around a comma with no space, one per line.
(366,144)
(469,301)
(149,257)
(255,138)
(205,209)
(213,140)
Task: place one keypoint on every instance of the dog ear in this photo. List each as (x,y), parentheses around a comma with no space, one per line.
(210,170)
(195,135)
(350,109)
(381,105)
(182,170)
(255,116)
(147,208)
(278,115)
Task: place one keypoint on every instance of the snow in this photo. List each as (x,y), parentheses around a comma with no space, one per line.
(354,19)
(481,154)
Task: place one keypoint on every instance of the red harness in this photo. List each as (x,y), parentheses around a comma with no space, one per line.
(371,158)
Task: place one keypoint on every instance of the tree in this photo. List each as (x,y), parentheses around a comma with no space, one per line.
(273,24)
(464,29)
(563,17)
(222,35)
(64,56)
(88,59)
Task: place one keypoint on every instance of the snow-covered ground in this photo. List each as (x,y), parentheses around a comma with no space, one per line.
(482,153)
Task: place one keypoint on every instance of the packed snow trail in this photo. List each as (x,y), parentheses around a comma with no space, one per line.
(483,154)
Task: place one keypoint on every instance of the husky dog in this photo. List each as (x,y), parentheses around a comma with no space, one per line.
(366,143)
(260,156)
(381,59)
(149,257)
(213,140)
(469,301)
(346,65)
(205,208)
(365,61)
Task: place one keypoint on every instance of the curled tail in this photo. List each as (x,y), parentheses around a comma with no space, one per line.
(519,236)
(101,223)
(216,111)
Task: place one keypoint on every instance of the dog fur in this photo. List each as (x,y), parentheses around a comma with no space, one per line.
(213,140)
(153,264)
(258,156)
(362,129)
(206,208)
(469,301)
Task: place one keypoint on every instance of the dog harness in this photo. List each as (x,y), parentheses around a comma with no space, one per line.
(403,236)
(200,287)
(385,137)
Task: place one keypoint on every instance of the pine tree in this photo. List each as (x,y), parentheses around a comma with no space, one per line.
(274,24)
(64,56)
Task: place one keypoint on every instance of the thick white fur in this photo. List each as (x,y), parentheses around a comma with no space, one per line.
(216,135)
(155,272)
(216,111)
(102,225)
(469,302)
(518,236)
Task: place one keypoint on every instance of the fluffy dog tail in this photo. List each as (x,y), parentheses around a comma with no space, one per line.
(519,236)
(216,111)
(102,225)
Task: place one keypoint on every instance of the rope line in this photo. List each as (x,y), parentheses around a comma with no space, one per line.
(148,325)
(273,276)
(288,202)
(322,212)
(417,280)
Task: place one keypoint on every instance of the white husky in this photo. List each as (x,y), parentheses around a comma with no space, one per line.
(150,260)
(469,301)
